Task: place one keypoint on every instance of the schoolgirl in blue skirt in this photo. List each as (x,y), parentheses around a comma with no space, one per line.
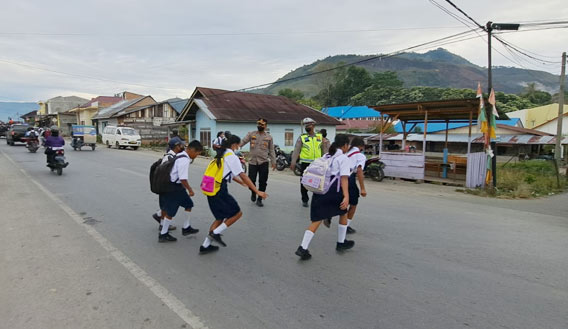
(334,202)
(224,207)
(357,163)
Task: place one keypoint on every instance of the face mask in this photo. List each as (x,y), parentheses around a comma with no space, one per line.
(309,129)
(260,128)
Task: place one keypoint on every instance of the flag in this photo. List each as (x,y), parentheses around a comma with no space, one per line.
(481,117)
(494,115)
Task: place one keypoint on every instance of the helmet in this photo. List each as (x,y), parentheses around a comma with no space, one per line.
(308,121)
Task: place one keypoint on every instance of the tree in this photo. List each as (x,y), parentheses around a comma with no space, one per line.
(535,96)
(293,94)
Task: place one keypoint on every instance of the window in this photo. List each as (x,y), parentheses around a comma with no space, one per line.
(205,136)
(159,110)
(289,137)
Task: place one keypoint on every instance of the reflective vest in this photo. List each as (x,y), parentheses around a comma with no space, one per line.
(311,147)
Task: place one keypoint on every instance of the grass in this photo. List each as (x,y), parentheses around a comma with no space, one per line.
(524,180)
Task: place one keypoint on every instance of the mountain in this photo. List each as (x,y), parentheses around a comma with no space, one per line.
(436,68)
(16,109)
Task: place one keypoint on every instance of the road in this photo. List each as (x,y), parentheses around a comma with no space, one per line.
(425,256)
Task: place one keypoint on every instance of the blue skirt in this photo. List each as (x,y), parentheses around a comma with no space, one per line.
(327,205)
(222,204)
(353,190)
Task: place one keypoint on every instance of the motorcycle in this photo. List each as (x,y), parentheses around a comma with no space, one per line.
(284,160)
(32,143)
(56,161)
(374,169)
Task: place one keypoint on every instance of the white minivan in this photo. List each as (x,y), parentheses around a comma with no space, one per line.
(121,137)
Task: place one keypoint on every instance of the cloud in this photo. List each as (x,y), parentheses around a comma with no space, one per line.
(166,49)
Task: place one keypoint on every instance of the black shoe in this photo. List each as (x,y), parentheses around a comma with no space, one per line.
(166,238)
(253,197)
(305,204)
(303,253)
(171,228)
(351,230)
(156,218)
(327,222)
(259,202)
(211,248)
(347,244)
(189,230)
(217,238)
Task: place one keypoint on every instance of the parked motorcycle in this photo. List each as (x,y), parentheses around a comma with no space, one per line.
(283,160)
(374,169)
(56,160)
(243,160)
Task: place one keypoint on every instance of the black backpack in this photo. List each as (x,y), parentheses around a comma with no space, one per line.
(160,175)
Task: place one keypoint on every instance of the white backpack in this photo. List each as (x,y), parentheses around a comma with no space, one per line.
(317,176)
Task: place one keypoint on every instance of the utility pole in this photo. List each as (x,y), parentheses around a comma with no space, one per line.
(557,150)
(489,27)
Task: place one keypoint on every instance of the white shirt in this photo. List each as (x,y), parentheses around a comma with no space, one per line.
(167,156)
(180,170)
(232,165)
(356,160)
(218,141)
(340,165)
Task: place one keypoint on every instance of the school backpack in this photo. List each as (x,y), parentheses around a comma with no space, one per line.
(213,177)
(160,175)
(317,176)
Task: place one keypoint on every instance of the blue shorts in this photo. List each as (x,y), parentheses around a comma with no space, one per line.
(171,201)
(222,204)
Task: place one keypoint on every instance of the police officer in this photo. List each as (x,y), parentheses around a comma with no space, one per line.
(261,149)
(309,147)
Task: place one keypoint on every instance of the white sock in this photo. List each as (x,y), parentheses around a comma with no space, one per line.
(308,235)
(166,226)
(207,242)
(159,213)
(349,222)
(341,232)
(220,229)
(187,221)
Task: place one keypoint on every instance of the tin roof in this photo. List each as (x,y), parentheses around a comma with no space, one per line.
(358,124)
(102,99)
(225,105)
(108,112)
(351,112)
(523,139)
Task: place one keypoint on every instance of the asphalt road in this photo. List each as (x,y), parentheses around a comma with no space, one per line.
(425,256)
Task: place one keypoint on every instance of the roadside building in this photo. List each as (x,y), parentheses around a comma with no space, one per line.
(115,114)
(54,112)
(211,110)
(536,116)
(551,127)
(85,112)
(29,117)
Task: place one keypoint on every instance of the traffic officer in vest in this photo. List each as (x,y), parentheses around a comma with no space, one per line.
(261,150)
(309,147)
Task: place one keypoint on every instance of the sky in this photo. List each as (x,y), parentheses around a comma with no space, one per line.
(52,48)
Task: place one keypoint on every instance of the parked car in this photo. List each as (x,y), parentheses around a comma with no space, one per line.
(121,137)
(16,133)
(3,129)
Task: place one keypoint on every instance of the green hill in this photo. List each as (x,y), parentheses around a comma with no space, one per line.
(436,68)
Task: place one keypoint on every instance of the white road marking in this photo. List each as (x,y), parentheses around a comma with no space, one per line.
(160,291)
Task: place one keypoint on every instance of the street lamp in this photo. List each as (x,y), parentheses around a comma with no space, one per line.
(489,27)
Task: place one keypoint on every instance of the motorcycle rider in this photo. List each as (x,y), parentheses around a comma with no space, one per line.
(261,150)
(53,143)
(309,147)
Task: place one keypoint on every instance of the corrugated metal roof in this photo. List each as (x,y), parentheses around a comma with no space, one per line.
(108,112)
(234,106)
(475,138)
(351,112)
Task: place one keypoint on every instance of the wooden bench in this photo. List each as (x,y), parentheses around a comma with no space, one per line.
(458,165)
